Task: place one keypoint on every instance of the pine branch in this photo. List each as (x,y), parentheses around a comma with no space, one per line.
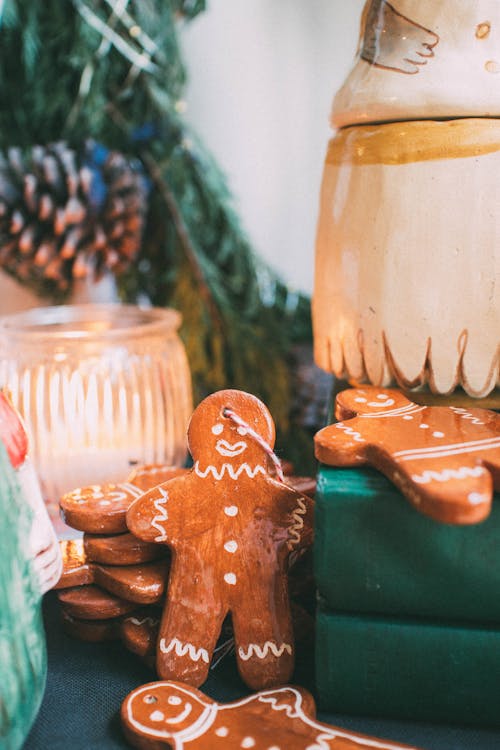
(92,69)
(183,235)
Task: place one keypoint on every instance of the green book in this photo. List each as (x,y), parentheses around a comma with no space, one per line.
(408,669)
(376,554)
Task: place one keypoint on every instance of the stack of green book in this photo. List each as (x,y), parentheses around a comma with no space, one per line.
(409,609)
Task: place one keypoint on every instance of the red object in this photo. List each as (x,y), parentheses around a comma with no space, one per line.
(12,432)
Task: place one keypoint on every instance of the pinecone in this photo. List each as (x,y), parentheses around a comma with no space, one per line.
(64,216)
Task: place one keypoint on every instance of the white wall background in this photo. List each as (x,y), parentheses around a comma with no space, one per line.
(262,78)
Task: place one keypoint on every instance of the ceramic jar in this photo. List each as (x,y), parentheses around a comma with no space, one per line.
(408,244)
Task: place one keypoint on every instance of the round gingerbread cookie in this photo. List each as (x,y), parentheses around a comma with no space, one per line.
(120,549)
(76,569)
(92,631)
(150,475)
(92,603)
(143,584)
(99,509)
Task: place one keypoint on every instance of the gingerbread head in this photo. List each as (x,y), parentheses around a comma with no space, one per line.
(219,445)
(167,711)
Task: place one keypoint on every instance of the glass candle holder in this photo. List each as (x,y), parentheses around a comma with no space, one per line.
(101,388)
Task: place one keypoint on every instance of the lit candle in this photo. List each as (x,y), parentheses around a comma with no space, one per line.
(100,387)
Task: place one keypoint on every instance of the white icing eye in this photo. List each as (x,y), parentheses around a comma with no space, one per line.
(150,699)
(174,700)
(360,400)
(217,428)
(242,431)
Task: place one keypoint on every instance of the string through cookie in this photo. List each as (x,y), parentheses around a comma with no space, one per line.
(230,414)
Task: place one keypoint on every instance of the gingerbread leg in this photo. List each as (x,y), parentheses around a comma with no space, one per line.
(264,640)
(190,626)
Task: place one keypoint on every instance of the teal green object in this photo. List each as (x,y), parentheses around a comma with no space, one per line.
(23,664)
(408,669)
(376,554)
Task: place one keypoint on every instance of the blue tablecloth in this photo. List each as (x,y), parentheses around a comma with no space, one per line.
(87,683)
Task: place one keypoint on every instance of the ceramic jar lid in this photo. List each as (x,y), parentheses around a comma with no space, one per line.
(423,59)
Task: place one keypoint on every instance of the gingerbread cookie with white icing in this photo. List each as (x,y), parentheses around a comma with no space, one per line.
(444,459)
(231,527)
(174,715)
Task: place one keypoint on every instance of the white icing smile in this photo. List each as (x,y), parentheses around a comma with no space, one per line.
(182,716)
(230,449)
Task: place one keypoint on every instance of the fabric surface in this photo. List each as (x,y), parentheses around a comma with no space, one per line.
(87,683)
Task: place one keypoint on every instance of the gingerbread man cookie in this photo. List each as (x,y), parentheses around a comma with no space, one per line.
(444,459)
(173,715)
(231,527)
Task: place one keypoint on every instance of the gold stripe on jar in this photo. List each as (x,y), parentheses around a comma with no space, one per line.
(417,140)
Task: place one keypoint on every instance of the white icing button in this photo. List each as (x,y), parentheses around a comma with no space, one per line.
(157,716)
(475,498)
(231,546)
(222,732)
(217,428)
(231,510)
(407,417)
(274,747)
(424,426)
(230,578)
(248,742)
(438,434)
(105,502)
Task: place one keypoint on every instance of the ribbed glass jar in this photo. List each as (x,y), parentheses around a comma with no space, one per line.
(100,387)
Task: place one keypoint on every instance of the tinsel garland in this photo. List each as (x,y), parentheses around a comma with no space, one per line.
(111,70)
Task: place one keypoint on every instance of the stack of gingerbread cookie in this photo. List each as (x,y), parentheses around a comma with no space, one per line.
(112,582)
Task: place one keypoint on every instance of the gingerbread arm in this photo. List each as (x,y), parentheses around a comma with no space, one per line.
(442,488)
(171,512)
(299,510)
(341,444)
(157,515)
(291,701)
